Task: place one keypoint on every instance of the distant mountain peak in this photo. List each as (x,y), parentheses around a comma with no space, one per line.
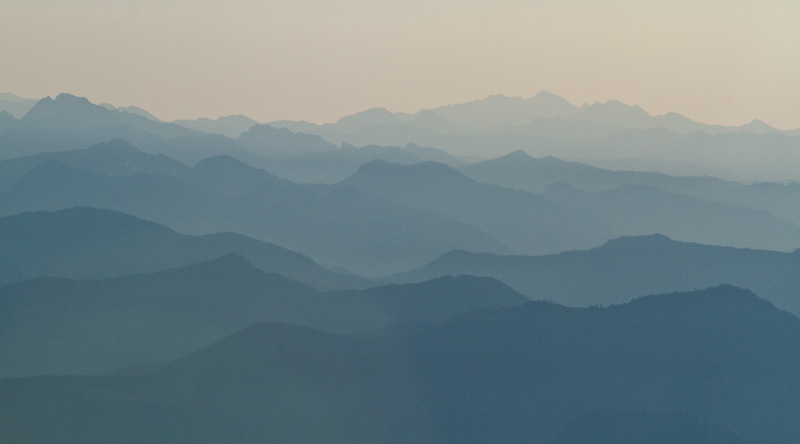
(517,155)
(546,94)
(645,241)
(71,112)
(371,113)
(375,165)
(222,161)
(757,126)
(63,102)
(11,97)
(281,142)
(615,105)
(720,299)
(237,118)
(372,116)
(231,165)
(499,97)
(498,109)
(70,98)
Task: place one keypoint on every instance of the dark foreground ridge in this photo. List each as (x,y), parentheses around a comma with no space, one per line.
(712,366)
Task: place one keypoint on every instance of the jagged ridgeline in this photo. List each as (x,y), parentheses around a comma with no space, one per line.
(505,270)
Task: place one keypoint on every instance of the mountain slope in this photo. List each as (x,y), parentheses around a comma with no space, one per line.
(720,362)
(15,105)
(229,126)
(340,227)
(70,112)
(519,170)
(627,267)
(640,210)
(81,243)
(498,110)
(526,221)
(96,326)
(280,142)
(114,158)
(55,186)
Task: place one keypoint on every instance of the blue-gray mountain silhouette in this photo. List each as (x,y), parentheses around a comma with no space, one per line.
(133,110)
(83,243)
(70,112)
(95,326)
(527,222)
(14,105)
(519,170)
(280,142)
(641,209)
(333,166)
(228,126)
(720,363)
(627,267)
(343,227)
(114,158)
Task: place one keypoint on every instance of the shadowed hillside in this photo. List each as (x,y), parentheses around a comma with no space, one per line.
(719,363)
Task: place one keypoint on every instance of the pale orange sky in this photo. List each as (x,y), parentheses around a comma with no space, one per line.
(715,61)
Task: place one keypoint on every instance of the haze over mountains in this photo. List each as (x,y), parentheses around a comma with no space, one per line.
(539,372)
(466,273)
(608,134)
(160,316)
(626,267)
(84,243)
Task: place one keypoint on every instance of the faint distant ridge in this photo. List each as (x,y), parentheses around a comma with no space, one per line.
(627,267)
(116,157)
(543,113)
(498,110)
(77,113)
(530,223)
(133,110)
(520,170)
(280,142)
(228,126)
(83,243)
(15,105)
(613,112)
(360,120)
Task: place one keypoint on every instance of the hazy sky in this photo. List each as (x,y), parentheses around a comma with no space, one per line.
(716,61)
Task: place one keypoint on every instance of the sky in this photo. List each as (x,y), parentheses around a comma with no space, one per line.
(715,61)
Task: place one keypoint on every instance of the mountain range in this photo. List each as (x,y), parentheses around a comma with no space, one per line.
(14,105)
(91,243)
(334,226)
(713,366)
(413,212)
(610,133)
(95,326)
(529,222)
(625,268)
(215,280)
